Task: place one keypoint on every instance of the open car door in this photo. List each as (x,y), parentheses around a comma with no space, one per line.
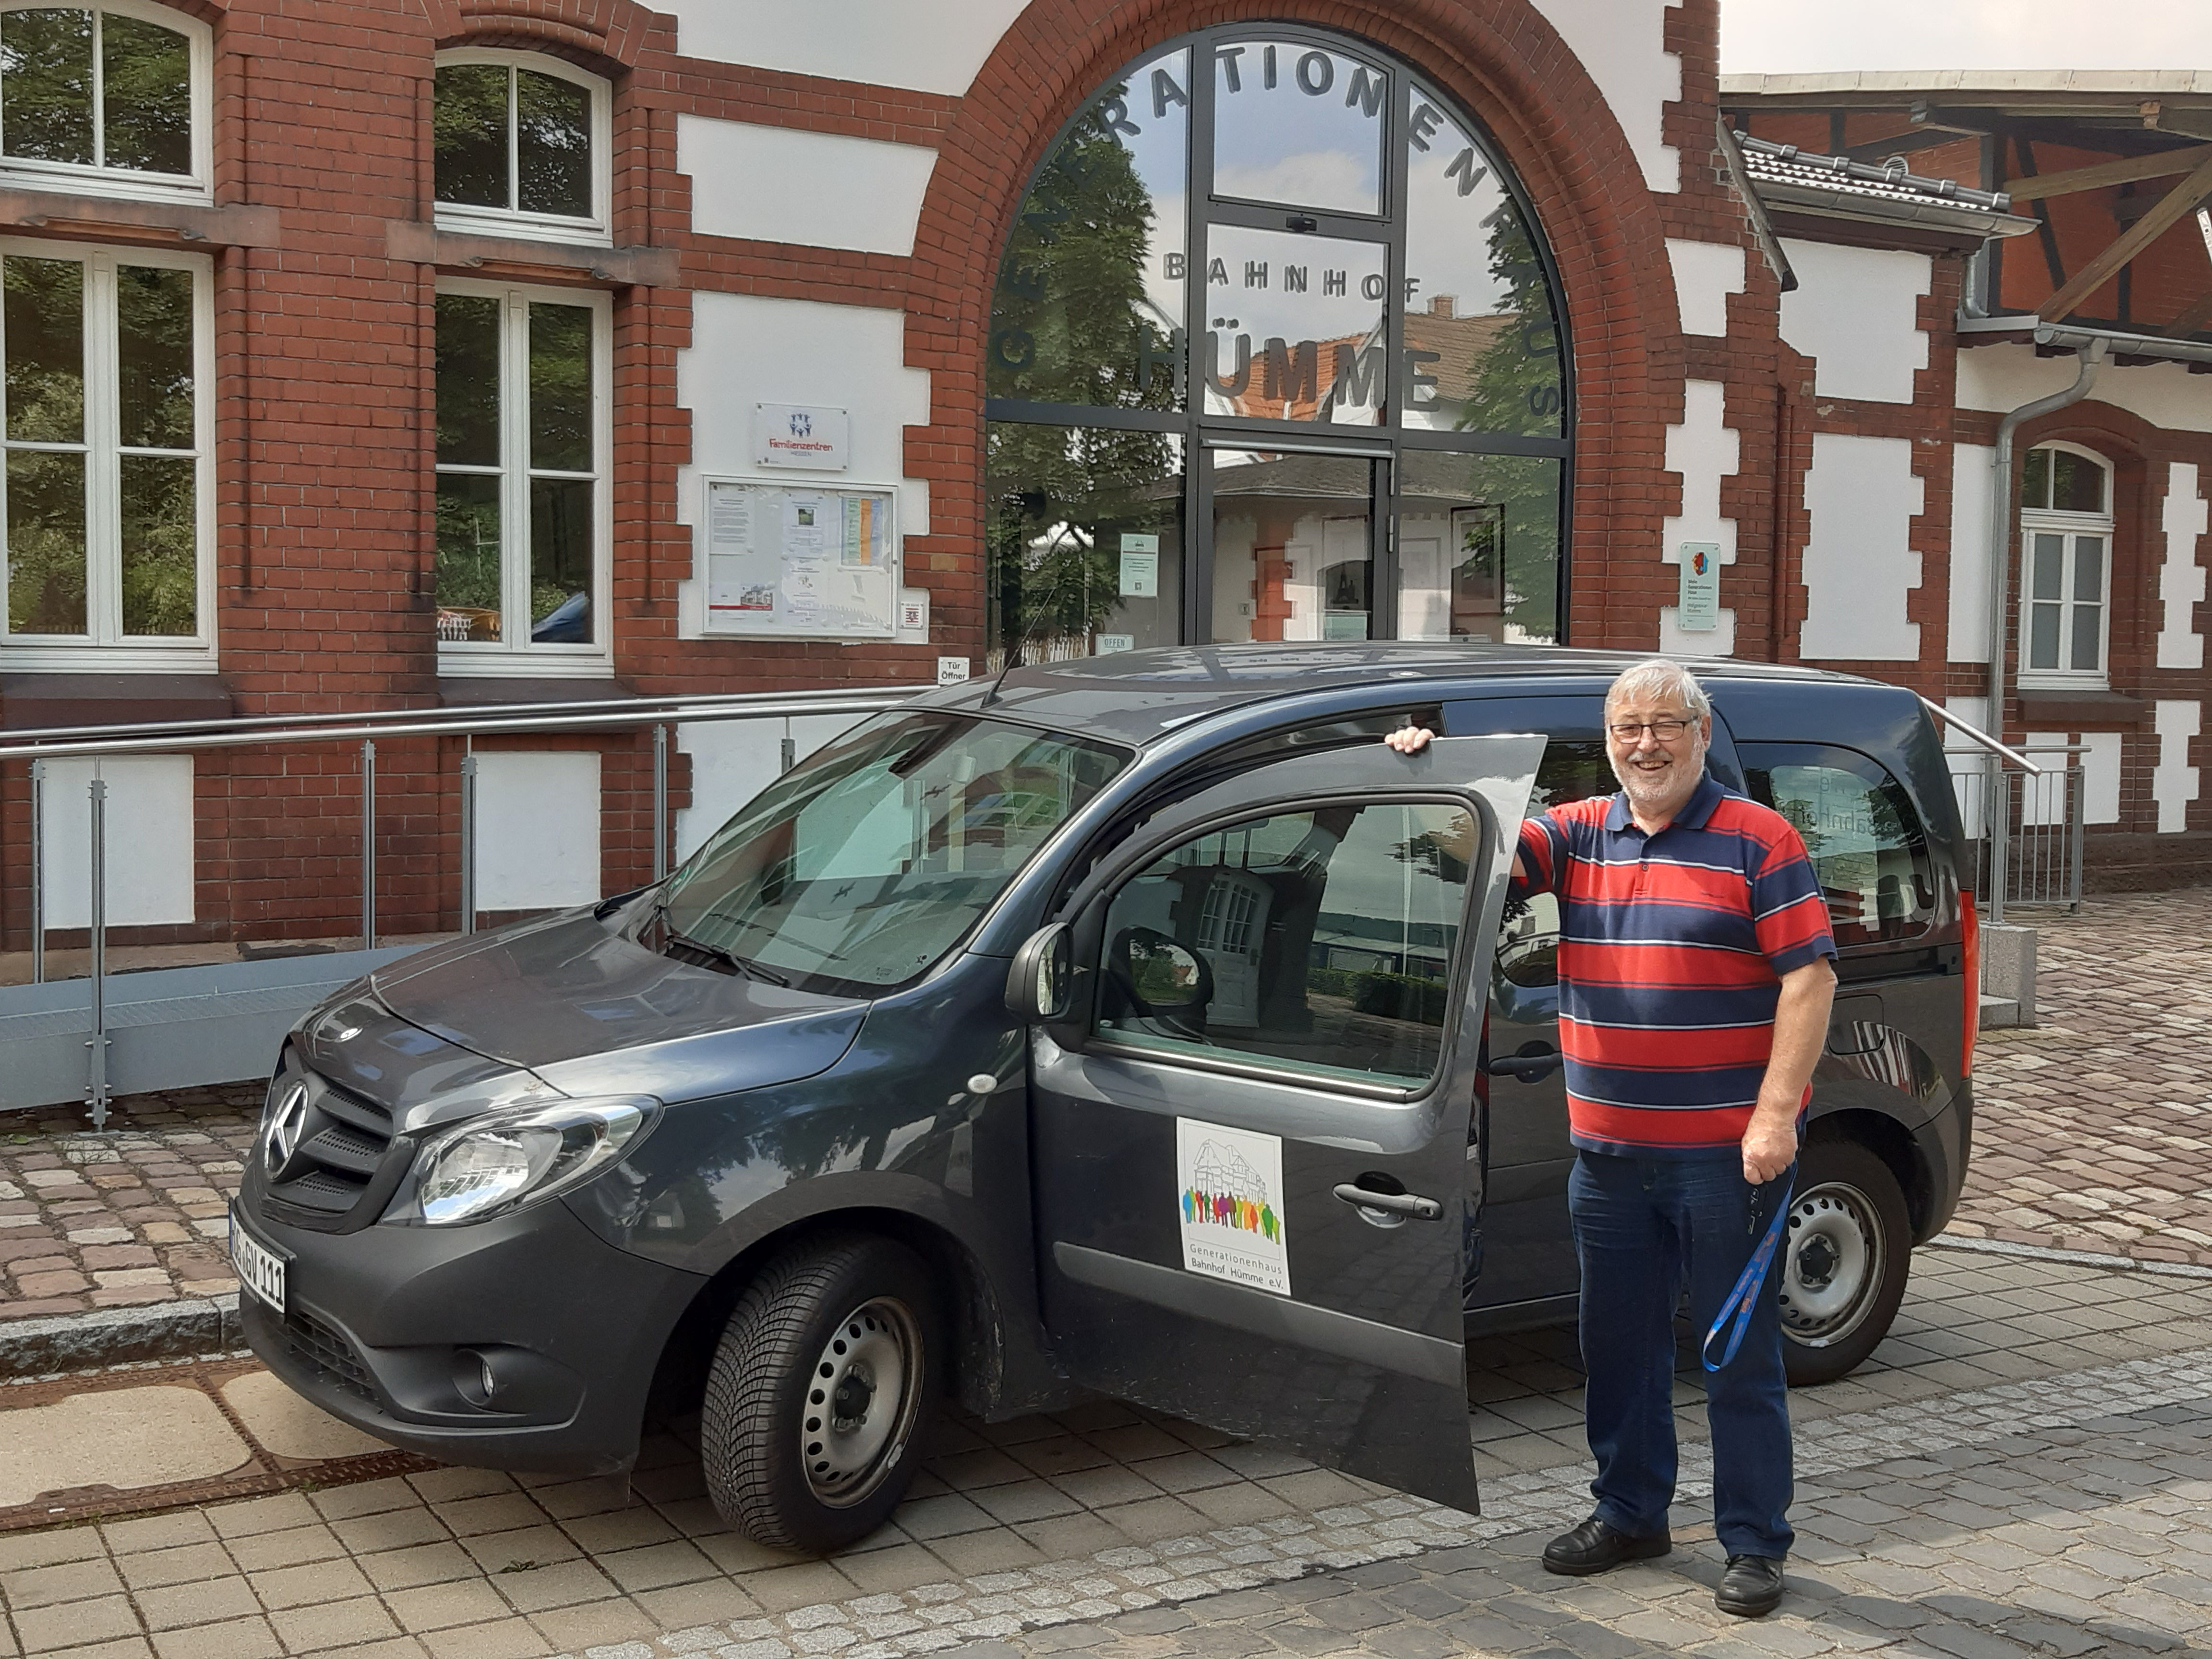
(1251,1131)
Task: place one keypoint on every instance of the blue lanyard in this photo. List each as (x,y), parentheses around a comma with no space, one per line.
(1745,1297)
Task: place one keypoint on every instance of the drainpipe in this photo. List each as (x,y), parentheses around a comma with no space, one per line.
(2091,358)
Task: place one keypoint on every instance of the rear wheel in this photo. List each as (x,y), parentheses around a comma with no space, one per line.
(1850,1249)
(819,1391)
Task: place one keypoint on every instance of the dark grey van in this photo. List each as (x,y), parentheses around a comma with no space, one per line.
(1139,1025)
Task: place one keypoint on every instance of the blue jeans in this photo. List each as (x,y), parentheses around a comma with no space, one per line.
(1644,1227)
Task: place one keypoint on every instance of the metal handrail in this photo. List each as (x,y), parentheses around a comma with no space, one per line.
(1978,735)
(367,728)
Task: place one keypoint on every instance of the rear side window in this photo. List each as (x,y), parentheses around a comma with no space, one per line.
(1869,850)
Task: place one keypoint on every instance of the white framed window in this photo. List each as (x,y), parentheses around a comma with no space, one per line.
(2066,568)
(519,146)
(109,481)
(524,522)
(109,99)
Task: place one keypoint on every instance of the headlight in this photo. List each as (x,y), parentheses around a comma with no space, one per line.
(503,1159)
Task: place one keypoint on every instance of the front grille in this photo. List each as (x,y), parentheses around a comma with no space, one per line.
(340,1149)
(328,1353)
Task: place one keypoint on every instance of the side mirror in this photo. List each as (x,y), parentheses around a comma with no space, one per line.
(1042,977)
(1157,975)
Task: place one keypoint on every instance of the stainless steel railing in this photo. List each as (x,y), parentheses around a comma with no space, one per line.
(366,729)
(2026,829)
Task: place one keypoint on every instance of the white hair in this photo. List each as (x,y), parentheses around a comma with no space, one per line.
(1657,677)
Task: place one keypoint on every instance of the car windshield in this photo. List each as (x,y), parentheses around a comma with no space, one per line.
(871,858)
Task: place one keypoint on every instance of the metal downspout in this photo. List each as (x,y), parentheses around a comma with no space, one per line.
(2091,358)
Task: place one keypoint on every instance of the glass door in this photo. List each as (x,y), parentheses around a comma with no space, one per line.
(1295,544)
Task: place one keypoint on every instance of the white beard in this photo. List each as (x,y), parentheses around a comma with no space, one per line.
(1656,788)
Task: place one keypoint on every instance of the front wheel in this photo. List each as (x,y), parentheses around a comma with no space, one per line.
(1849,1248)
(818,1394)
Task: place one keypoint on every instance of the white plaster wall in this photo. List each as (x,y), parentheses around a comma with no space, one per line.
(748,349)
(538,830)
(1969,762)
(1861,496)
(819,189)
(2042,795)
(732,761)
(1622,45)
(2173,781)
(932,46)
(150,840)
(1705,274)
(2004,377)
(2100,776)
(1855,311)
(1704,449)
(1969,633)
(2180,577)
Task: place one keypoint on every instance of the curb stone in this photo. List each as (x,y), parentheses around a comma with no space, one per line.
(118,1336)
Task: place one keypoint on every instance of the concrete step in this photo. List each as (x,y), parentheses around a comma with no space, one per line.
(1999,1013)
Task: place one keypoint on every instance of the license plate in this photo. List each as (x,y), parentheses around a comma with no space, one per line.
(260,1269)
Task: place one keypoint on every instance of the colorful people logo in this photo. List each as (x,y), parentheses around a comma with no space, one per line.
(1226,1192)
(1698,560)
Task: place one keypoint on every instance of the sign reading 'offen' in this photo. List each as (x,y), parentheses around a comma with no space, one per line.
(802,434)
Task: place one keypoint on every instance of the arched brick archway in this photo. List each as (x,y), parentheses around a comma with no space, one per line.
(1503,63)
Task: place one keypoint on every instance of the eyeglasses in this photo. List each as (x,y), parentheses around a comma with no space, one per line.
(1665,731)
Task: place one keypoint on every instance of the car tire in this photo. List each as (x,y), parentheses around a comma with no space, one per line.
(819,1393)
(1850,1249)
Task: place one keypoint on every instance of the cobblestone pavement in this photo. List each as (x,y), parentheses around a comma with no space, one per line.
(2093,1130)
(2020,1498)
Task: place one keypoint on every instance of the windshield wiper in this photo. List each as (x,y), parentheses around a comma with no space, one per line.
(736,964)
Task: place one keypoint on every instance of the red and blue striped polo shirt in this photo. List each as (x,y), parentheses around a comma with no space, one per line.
(1671,949)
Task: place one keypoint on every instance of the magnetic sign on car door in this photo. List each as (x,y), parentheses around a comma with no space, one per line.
(1230,1202)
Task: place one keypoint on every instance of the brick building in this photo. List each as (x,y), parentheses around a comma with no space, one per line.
(444,352)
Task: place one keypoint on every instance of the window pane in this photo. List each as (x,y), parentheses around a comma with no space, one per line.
(1294,327)
(469,134)
(2089,568)
(46,543)
(561,560)
(146,96)
(1292,550)
(1478,547)
(1861,831)
(560,387)
(45,85)
(1320,940)
(468,380)
(153,322)
(1085,541)
(468,556)
(553,144)
(45,323)
(2077,483)
(1482,345)
(1295,124)
(2035,479)
(1088,307)
(2046,571)
(2043,636)
(2088,637)
(160,564)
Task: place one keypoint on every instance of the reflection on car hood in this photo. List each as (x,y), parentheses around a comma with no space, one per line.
(591,1011)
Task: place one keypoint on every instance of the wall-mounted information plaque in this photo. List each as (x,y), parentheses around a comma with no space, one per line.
(801,560)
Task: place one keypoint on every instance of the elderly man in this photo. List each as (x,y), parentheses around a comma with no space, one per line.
(1695,977)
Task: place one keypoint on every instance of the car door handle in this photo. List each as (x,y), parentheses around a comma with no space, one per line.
(1531,1063)
(1412,1204)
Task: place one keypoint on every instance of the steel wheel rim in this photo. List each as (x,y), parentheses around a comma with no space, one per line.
(1835,1264)
(862,1397)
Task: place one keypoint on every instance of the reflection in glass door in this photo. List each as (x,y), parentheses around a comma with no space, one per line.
(1293,545)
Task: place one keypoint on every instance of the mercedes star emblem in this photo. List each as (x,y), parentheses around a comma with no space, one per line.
(285,1128)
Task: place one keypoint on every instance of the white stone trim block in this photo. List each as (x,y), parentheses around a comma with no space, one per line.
(817,189)
(538,829)
(882,43)
(2181,578)
(1856,312)
(1861,496)
(2174,781)
(1704,449)
(1623,49)
(1968,637)
(1705,274)
(149,840)
(2100,776)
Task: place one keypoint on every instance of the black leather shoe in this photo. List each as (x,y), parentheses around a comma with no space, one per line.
(1595,1547)
(1751,1587)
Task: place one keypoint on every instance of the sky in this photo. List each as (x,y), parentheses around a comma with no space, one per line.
(1785,37)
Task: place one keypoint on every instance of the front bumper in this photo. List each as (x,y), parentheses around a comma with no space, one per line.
(393,1329)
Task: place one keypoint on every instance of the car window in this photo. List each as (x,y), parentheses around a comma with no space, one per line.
(1860,830)
(1320,939)
(1528,942)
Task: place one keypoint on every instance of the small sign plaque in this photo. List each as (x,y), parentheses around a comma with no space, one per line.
(802,434)
(1700,611)
(952,671)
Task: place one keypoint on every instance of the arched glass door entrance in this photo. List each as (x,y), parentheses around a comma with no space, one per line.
(1275,353)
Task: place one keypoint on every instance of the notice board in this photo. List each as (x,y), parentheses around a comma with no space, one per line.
(801,560)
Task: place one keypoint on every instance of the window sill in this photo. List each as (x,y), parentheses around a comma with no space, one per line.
(474,253)
(43,702)
(2075,705)
(480,665)
(163,222)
